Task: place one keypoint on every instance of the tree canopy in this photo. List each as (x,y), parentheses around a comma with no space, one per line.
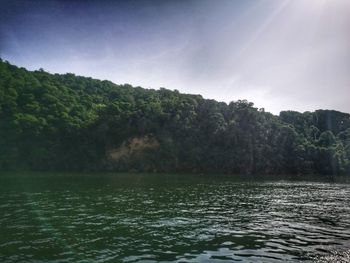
(68,122)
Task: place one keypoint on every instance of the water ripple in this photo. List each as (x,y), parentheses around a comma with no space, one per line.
(191,221)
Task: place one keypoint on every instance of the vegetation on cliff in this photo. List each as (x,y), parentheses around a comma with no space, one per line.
(69,122)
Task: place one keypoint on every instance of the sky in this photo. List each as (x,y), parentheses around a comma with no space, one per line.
(278,54)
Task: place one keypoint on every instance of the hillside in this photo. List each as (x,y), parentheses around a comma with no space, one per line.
(68,122)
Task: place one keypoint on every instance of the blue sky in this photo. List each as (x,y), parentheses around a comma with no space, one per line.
(279,54)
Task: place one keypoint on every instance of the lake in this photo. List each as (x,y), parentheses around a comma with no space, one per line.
(169,218)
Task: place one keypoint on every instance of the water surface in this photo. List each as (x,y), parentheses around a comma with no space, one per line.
(169,218)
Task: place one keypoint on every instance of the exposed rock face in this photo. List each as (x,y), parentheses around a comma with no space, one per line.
(131,147)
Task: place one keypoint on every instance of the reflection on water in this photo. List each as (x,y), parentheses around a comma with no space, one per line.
(135,218)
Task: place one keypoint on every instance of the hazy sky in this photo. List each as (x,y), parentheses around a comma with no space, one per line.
(279,54)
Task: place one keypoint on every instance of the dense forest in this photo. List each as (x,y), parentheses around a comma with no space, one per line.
(68,122)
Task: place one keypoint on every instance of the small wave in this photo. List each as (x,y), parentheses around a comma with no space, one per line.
(335,256)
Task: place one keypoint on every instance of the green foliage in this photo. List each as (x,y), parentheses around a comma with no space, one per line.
(327,139)
(68,122)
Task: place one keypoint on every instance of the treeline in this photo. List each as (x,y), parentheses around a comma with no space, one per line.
(68,122)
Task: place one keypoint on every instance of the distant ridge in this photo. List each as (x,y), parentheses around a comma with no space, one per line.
(68,122)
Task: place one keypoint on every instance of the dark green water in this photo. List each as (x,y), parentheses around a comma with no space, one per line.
(168,218)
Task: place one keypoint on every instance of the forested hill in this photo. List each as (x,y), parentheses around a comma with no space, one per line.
(68,122)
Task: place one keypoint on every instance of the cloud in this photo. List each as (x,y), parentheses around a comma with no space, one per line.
(278,54)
